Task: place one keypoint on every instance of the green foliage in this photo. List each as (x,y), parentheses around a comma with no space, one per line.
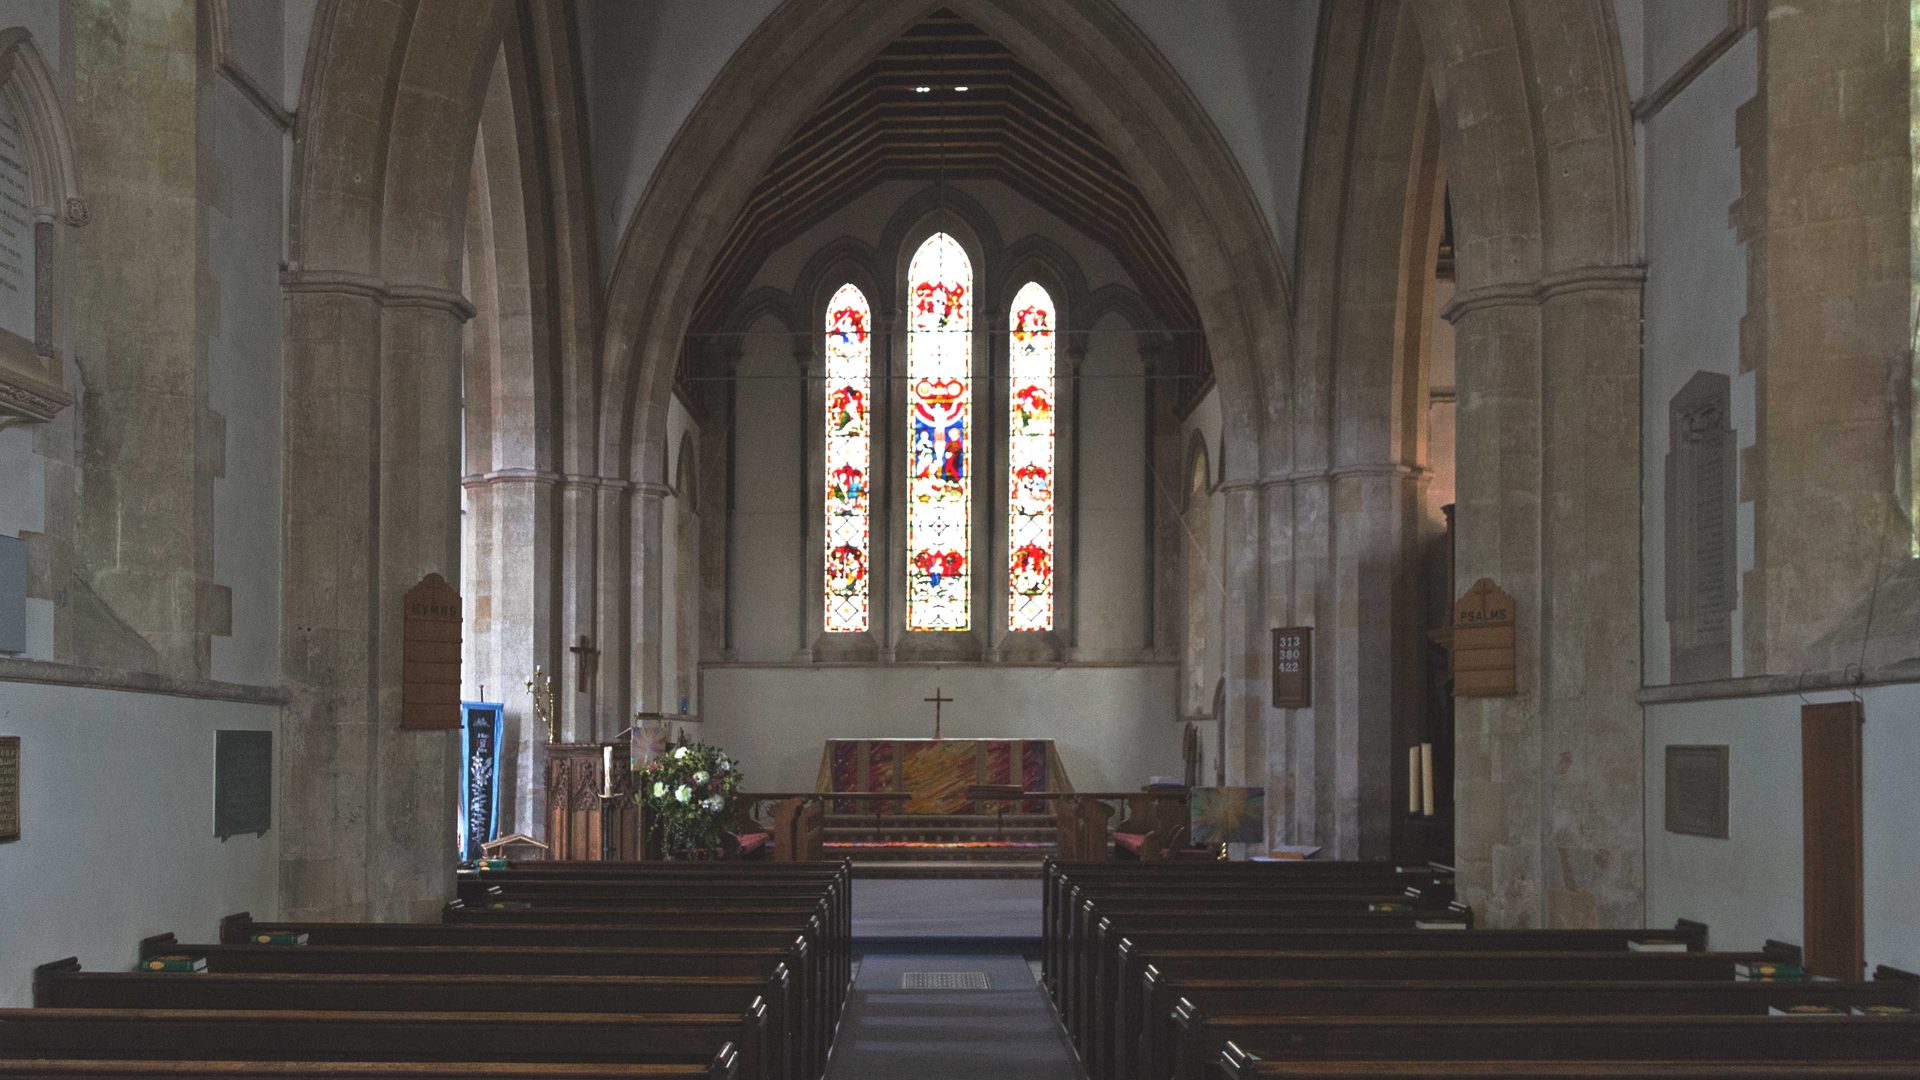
(688,793)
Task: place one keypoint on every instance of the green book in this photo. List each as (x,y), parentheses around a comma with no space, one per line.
(174,963)
(1770,972)
(280,938)
(491,864)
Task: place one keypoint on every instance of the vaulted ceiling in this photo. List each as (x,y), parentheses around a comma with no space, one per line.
(1007,125)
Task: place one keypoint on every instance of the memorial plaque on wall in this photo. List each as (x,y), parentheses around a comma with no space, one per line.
(9,787)
(242,783)
(1484,661)
(1293,667)
(1697,790)
(1701,505)
(430,656)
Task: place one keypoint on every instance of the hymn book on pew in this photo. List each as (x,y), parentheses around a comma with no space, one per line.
(175,962)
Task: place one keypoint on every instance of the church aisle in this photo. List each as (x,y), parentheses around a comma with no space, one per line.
(1007,1032)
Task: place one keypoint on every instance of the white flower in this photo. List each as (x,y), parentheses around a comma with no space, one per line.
(725,765)
(700,777)
(659,790)
(715,802)
(679,753)
(683,793)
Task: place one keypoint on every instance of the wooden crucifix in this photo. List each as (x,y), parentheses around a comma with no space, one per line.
(938,700)
(589,661)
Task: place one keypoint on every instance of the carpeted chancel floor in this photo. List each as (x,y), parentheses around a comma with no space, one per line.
(955,928)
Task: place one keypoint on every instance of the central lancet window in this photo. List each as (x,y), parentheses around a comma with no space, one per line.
(848,458)
(939,407)
(1030,371)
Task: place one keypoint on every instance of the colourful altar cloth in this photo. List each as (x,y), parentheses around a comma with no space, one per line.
(938,772)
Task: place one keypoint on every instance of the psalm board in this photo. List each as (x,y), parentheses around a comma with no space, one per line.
(1484,660)
(430,656)
(242,783)
(10,787)
(1293,667)
(1701,587)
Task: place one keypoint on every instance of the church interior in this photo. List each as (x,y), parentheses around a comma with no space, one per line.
(829,539)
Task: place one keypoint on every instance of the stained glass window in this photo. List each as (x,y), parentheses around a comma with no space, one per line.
(939,404)
(1030,460)
(849,449)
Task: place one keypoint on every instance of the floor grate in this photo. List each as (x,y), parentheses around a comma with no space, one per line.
(945,980)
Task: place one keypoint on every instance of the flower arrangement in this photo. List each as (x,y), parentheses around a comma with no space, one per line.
(687,792)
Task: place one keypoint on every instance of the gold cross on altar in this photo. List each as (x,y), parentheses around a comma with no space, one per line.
(938,701)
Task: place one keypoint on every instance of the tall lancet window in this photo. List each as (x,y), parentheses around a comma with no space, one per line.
(1030,460)
(848,457)
(939,403)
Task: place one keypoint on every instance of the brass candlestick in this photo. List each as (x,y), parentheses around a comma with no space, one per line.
(541,687)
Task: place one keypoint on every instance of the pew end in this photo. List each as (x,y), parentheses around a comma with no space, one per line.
(43,978)
(726,1064)
(158,943)
(235,927)
(1234,1060)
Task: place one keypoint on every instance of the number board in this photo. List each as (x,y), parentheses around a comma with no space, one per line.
(10,787)
(242,783)
(430,656)
(1484,663)
(1293,667)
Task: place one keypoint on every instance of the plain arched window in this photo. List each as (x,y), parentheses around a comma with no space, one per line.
(939,407)
(1030,459)
(849,349)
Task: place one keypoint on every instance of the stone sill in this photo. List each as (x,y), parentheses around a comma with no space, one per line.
(14,669)
(1907,671)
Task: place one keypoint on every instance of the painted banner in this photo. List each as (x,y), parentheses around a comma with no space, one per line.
(481,727)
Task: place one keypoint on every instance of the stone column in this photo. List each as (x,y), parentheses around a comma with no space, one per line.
(615,600)
(331,396)
(1243,634)
(509,515)
(1548,783)
(414,774)
(145,516)
(646,511)
(581,563)
(1498,777)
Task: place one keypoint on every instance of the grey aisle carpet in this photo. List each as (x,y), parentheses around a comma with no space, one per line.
(1007,1032)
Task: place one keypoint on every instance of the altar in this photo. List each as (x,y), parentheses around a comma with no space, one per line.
(936,773)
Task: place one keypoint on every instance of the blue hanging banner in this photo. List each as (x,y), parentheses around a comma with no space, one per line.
(482,725)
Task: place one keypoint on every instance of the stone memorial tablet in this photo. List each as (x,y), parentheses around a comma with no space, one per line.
(242,783)
(1697,791)
(1702,590)
(9,787)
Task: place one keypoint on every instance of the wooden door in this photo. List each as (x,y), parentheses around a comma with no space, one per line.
(1831,831)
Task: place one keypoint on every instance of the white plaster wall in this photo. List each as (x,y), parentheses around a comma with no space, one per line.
(244,205)
(1113,583)
(117,828)
(1696,293)
(23,504)
(646,67)
(769,500)
(1113,726)
(1674,32)
(1250,65)
(1748,887)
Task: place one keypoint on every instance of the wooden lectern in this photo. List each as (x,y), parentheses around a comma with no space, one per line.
(590,810)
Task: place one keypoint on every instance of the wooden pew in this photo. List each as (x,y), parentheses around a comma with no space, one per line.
(1169,1044)
(682,1039)
(723,1067)
(770,1053)
(1236,1067)
(1120,976)
(1570,1038)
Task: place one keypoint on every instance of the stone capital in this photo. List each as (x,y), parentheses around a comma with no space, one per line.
(1532,294)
